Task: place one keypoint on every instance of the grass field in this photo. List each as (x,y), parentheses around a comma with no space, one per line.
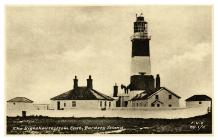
(49,125)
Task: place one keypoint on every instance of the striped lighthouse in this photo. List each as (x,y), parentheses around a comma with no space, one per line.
(140,62)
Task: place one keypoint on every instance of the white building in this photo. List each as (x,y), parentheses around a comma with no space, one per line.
(199,101)
(162,97)
(20,103)
(82,98)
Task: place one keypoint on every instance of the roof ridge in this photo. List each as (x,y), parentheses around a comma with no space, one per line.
(170,91)
(82,93)
(198,97)
(20,99)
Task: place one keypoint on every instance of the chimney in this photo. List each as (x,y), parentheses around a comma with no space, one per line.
(115,90)
(157,81)
(75,84)
(89,82)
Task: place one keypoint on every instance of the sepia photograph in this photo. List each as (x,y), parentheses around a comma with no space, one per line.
(96,69)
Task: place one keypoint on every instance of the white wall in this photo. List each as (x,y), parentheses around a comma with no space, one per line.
(140,103)
(41,106)
(196,104)
(81,104)
(120,112)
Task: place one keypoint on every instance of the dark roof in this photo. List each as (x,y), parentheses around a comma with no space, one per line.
(82,93)
(199,98)
(147,94)
(143,95)
(20,99)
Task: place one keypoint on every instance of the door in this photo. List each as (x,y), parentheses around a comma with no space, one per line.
(104,104)
(58,105)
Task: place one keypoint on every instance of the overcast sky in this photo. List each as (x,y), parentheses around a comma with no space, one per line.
(47,46)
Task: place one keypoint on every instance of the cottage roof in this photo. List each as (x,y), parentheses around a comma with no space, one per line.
(199,98)
(147,94)
(82,93)
(20,99)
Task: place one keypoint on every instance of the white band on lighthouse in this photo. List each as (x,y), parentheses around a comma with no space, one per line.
(140,64)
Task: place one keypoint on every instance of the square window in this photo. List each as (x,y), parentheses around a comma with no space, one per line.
(200,102)
(170,105)
(170,96)
(156,97)
(73,103)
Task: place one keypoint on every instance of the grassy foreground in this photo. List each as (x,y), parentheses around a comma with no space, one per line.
(49,125)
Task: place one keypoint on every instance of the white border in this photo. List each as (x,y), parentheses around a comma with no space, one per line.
(100,2)
(108,2)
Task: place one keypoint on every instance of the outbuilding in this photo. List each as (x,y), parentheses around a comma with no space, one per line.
(199,101)
(20,103)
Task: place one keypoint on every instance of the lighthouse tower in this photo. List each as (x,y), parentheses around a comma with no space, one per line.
(140,62)
(141,78)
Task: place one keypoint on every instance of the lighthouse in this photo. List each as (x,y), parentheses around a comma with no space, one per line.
(140,78)
(144,89)
(140,61)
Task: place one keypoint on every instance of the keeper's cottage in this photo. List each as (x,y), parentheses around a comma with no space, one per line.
(81,97)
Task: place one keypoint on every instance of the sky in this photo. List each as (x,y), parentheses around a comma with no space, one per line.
(46,46)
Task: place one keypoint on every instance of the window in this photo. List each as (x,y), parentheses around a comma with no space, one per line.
(105,103)
(152,105)
(137,104)
(158,105)
(73,103)
(170,96)
(200,102)
(100,103)
(109,104)
(64,104)
(170,105)
(14,103)
(156,97)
